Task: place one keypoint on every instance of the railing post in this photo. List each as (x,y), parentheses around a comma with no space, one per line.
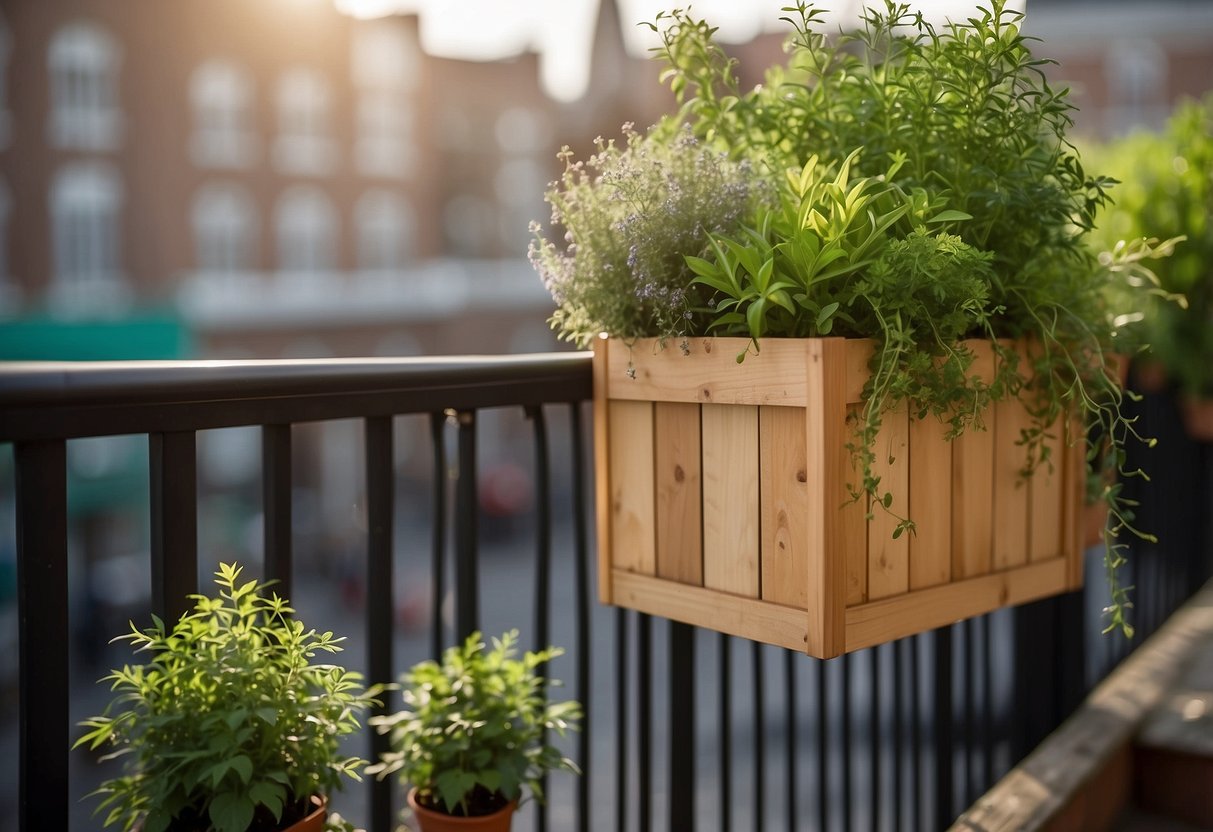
(174,522)
(682,726)
(41,485)
(467,580)
(943,716)
(380,500)
(276,506)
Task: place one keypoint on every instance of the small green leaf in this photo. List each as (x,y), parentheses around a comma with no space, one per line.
(950,215)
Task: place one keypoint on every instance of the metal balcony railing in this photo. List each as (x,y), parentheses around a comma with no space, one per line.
(685,729)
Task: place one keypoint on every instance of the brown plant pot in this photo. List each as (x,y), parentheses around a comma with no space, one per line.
(1095,518)
(431,821)
(1198,417)
(313,822)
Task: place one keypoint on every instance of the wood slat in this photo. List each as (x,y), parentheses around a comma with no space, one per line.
(889,559)
(827,464)
(632,508)
(1010,486)
(1046,493)
(973,485)
(891,618)
(783,484)
(930,495)
(1075,498)
(730,498)
(679,493)
(602,469)
(855,522)
(720,611)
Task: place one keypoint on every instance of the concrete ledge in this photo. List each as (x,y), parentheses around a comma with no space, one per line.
(1080,777)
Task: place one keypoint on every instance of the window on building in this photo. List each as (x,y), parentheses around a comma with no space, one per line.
(84,62)
(1137,85)
(384,223)
(221,93)
(225,225)
(307,230)
(385,134)
(304,144)
(86,206)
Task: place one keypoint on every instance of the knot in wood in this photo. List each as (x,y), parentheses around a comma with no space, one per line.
(679,474)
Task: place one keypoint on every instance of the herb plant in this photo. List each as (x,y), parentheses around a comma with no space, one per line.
(1168,187)
(918,189)
(474,734)
(228,725)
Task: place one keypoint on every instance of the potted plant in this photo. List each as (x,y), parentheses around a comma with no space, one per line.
(472,741)
(888,236)
(229,725)
(1168,186)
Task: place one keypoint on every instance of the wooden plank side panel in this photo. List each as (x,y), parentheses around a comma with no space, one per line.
(973,485)
(1010,486)
(1046,494)
(855,521)
(930,494)
(784,533)
(730,498)
(633,522)
(679,493)
(709,372)
(602,468)
(826,472)
(1075,500)
(720,611)
(891,618)
(889,559)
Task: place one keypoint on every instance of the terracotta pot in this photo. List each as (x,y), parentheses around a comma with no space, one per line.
(1149,375)
(1094,518)
(313,822)
(431,821)
(1198,417)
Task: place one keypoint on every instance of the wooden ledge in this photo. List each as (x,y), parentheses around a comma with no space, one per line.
(1040,792)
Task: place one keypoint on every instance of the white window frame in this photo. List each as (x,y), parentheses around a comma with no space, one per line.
(304,145)
(385,231)
(222,99)
(305,224)
(225,225)
(86,200)
(84,62)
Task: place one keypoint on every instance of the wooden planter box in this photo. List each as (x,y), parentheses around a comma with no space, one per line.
(723,502)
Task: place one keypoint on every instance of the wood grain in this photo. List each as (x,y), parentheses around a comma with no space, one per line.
(973,485)
(889,559)
(633,521)
(677,480)
(930,494)
(784,533)
(730,498)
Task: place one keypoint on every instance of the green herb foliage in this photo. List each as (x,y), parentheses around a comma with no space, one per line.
(229,725)
(1167,189)
(475,730)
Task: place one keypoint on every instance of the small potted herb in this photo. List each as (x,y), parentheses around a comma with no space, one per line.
(473,738)
(229,725)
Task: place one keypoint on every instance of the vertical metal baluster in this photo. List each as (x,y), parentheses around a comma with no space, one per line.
(845,664)
(467,579)
(644,719)
(874,738)
(172,458)
(790,732)
(823,748)
(987,706)
(276,506)
(899,700)
(543,562)
(582,600)
(621,720)
(970,710)
(42,615)
(944,808)
(438,532)
(682,726)
(760,735)
(380,502)
(915,649)
(726,735)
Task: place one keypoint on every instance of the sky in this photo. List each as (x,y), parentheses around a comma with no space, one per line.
(562,31)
